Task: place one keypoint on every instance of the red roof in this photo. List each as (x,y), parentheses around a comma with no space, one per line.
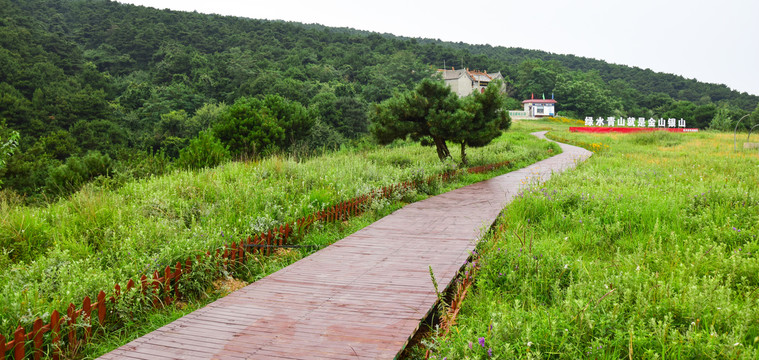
(539,101)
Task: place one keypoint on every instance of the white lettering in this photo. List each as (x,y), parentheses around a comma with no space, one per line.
(612,121)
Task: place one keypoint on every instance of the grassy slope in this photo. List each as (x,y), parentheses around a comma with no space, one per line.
(647,250)
(99,237)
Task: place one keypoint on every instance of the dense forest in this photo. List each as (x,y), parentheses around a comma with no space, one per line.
(110,92)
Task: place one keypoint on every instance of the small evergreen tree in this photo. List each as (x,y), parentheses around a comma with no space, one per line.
(487,119)
(432,111)
(203,151)
(429,111)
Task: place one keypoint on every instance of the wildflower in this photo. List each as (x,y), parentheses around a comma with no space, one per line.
(566,266)
(470,345)
(490,352)
(481,340)
(637,268)
(529,343)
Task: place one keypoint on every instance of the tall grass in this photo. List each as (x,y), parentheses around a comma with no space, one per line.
(51,256)
(647,250)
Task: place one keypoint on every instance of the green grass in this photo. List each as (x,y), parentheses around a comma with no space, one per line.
(98,237)
(647,250)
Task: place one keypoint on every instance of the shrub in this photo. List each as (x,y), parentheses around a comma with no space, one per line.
(77,171)
(203,151)
(251,125)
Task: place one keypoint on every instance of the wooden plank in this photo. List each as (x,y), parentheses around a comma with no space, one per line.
(362,297)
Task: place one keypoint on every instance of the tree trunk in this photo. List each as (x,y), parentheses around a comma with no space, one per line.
(442,148)
(463,153)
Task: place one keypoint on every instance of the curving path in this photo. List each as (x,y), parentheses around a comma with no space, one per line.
(362,297)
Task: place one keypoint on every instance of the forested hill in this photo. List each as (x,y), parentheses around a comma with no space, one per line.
(103,90)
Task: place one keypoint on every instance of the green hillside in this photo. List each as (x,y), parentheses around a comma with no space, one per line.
(99,89)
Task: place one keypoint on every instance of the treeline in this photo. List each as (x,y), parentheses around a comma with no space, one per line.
(110,92)
(644,81)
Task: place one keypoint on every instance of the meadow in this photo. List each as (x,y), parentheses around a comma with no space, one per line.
(57,254)
(647,250)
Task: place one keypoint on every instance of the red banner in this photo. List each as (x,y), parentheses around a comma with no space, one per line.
(627,129)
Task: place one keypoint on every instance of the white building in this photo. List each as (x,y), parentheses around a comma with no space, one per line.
(463,82)
(536,108)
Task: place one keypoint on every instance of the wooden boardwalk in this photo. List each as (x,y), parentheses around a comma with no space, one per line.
(362,297)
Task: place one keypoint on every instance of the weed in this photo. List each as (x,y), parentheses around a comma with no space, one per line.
(648,250)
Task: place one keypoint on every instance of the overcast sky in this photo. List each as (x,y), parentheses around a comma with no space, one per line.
(712,41)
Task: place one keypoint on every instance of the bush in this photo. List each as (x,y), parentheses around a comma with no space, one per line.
(77,171)
(251,125)
(204,151)
(722,120)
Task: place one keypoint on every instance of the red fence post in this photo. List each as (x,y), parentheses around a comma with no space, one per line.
(101,307)
(19,340)
(55,326)
(143,283)
(87,310)
(167,284)
(71,312)
(37,332)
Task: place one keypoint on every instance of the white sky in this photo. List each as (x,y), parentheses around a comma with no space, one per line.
(712,41)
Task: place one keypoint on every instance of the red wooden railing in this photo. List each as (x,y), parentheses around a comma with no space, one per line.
(163,288)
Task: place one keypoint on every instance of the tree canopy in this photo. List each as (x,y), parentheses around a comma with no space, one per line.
(431,112)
